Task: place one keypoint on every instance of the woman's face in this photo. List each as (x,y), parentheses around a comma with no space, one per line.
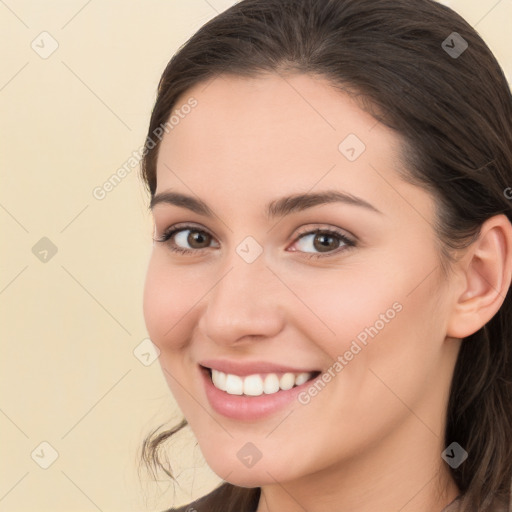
(362,303)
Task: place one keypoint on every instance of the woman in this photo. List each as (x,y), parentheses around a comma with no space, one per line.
(329,283)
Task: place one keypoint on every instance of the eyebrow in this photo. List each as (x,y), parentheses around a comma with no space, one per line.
(276,208)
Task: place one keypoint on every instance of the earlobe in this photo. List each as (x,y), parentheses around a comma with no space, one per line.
(487,274)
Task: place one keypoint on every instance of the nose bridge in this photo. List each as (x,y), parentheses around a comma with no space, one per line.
(245,301)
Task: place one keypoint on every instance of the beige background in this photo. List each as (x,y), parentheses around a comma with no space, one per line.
(70,325)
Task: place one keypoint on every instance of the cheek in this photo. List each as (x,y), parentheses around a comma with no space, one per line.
(169,296)
(365,298)
(378,318)
(343,305)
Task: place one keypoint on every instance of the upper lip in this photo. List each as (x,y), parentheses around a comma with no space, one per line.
(250,367)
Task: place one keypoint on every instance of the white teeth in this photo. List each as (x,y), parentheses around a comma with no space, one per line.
(234,384)
(287,381)
(219,379)
(271,384)
(255,385)
(301,378)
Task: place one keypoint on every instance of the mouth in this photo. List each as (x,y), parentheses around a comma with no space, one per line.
(257,384)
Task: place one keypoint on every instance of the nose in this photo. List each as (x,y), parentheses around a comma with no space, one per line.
(245,303)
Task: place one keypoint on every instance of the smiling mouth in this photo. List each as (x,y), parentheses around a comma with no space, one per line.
(258,383)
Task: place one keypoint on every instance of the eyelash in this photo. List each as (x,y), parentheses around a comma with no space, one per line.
(168,234)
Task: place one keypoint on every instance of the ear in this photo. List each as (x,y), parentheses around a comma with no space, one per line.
(486,273)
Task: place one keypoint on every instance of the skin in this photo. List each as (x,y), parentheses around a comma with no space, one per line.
(372,439)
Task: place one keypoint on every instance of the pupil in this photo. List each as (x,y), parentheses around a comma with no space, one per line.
(324,241)
(196,237)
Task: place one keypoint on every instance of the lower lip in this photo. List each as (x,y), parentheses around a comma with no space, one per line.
(248,408)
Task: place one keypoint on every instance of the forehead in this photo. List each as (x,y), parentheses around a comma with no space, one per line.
(272,133)
(276,116)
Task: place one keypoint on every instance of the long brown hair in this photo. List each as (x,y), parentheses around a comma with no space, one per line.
(454,112)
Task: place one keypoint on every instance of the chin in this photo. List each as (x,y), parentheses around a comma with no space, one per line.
(260,474)
(249,479)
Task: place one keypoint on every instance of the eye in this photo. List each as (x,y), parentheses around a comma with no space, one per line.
(323,242)
(186,239)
